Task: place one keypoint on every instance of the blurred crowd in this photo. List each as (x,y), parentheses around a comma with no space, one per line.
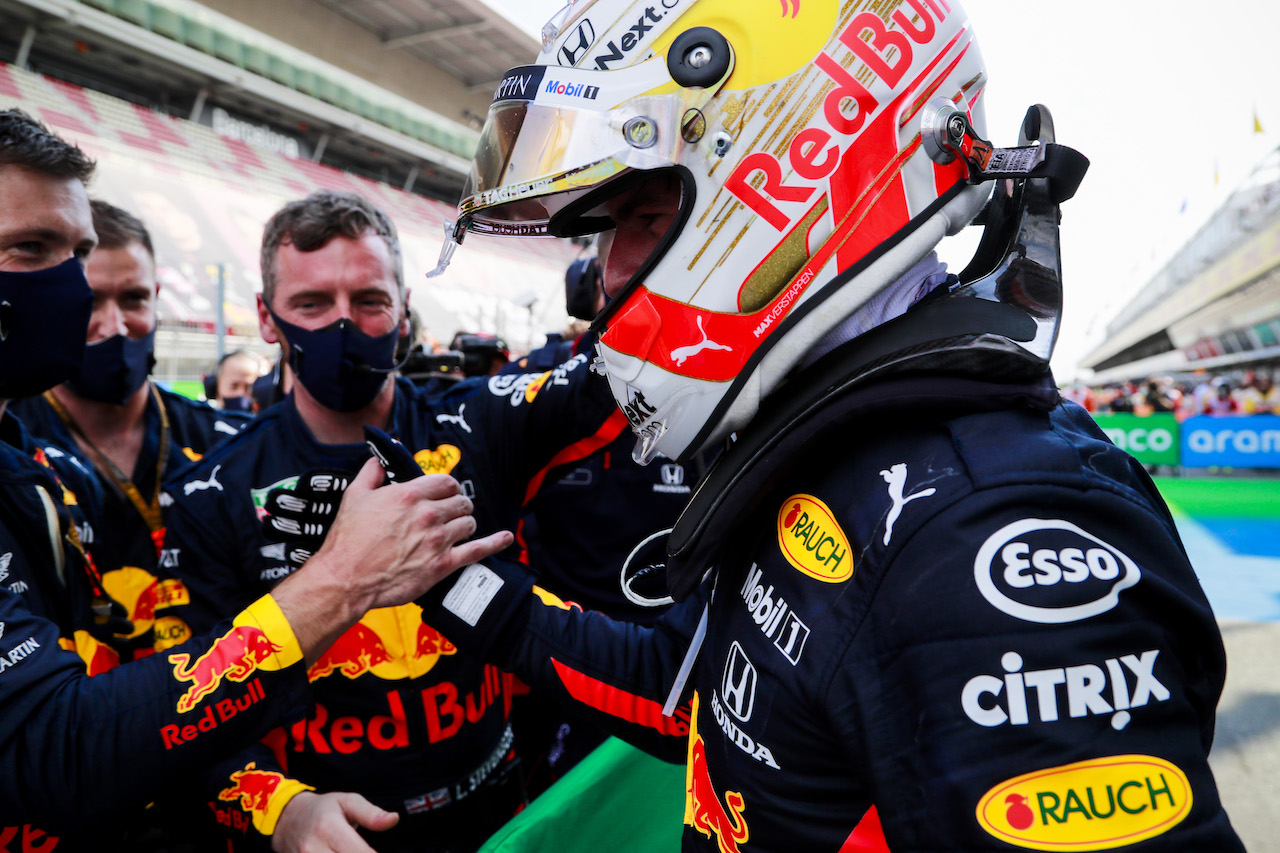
(1250,392)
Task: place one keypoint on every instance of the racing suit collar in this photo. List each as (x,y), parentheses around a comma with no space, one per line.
(814,407)
(400,416)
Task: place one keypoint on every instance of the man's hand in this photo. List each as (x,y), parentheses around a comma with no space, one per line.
(313,823)
(387,546)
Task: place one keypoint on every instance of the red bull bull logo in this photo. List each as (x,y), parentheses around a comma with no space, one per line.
(708,815)
(234,656)
(389,643)
(253,788)
(353,654)
(432,642)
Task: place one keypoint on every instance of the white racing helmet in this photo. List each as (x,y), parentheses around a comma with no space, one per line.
(800,132)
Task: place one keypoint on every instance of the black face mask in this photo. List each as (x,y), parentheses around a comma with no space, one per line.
(339,365)
(44,319)
(115,368)
(237,404)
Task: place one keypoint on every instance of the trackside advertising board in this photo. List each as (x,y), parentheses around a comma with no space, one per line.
(1205,441)
(1152,440)
(1249,441)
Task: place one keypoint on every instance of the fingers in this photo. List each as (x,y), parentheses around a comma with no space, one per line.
(470,552)
(433,486)
(361,812)
(370,477)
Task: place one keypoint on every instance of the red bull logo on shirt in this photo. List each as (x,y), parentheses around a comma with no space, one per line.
(389,643)
(234,656)
(253,788)
(1098,804)
(708,815)
(262,794)
(356,652)
(703,809)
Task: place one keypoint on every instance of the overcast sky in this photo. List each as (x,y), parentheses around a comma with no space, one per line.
(1161,96)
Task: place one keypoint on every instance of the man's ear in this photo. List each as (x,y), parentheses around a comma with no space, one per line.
(405,326)
(267,324)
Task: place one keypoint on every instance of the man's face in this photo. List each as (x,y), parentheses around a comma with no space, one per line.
(236,378)
(643,214)
(43,220)
(344,279)
(124,292)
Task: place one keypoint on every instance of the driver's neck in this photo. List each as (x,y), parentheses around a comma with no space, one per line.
(333,427)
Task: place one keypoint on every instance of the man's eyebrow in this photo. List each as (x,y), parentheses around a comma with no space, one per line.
(34,232)
(309,293)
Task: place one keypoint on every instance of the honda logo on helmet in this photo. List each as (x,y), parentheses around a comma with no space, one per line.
(585,36)
(673,475)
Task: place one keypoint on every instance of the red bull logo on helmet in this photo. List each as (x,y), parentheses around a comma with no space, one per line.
(814,155)
(1100,804)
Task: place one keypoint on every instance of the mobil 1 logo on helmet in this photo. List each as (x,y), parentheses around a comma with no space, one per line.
(1051,571)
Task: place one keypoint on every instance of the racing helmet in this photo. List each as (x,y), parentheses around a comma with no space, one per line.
(799,133)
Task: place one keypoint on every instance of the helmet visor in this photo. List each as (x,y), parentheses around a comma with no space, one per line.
(554,134)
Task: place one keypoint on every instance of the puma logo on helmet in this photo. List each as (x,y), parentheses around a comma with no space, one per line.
(682,354)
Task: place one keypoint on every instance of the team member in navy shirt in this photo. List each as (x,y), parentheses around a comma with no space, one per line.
(400,716)
(111,418)
(82,755)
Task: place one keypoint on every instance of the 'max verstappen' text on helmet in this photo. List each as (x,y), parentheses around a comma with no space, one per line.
(803,136)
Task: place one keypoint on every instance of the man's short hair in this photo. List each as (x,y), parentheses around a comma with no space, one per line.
(308,225)
(27,143)
(118,228)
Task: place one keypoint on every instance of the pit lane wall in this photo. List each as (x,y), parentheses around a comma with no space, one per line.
(1204,441)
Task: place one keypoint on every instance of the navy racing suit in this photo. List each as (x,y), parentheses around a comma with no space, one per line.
(401,716)
(126,544)
(948,602)
(82,755)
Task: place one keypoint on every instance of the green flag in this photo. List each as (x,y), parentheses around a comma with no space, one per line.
(617,799)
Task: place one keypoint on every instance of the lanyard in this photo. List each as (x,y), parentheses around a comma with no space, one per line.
(99,602)
(150,512)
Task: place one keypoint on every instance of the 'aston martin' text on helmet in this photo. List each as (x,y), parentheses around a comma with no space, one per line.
(795,128)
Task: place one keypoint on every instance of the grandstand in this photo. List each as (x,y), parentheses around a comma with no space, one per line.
(204,125)
(1215,306)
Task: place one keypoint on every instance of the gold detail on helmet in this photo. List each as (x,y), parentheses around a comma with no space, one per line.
(779,267)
